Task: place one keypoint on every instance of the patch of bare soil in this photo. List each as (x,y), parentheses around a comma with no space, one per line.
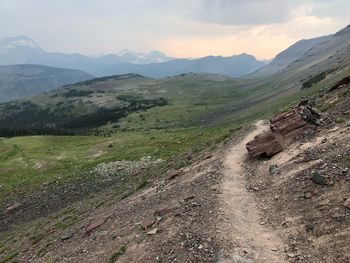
(242,227)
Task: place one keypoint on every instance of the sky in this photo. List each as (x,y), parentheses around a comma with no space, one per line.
(179,28)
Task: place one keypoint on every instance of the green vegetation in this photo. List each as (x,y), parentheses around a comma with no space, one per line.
(8,257)
(164,119)
(28,162)
(114,257)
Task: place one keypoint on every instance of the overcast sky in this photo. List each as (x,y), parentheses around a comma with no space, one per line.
(180,28)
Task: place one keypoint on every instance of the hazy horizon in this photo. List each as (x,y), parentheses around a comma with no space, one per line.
(262,28)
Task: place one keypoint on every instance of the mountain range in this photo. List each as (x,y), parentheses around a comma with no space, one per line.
(23,50)
(300,65)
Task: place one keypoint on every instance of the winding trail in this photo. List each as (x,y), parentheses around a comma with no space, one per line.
(250,240)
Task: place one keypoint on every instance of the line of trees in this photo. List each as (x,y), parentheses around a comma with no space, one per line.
(68,118)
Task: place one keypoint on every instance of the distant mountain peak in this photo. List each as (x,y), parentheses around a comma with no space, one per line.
(156,53)
(17,41)
(154,56)
(129,52)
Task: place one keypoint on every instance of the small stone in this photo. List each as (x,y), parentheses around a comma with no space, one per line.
(324,202)
(200,247)
(67,235)
(12,208)
(347,203)
(147,223)
(190,197)
(308,195)
(172,174)
(152,232)
(310,227)
(162,211)
(273,169)
(319,179)
(324,140)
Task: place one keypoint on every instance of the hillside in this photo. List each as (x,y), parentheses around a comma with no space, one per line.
(20,81)
(235,66)
(283,59)
(23,50)
(128,168)
(81,107)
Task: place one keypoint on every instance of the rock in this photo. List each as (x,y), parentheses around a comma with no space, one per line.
(347,203)
(172,174)
(162,211)
(110,146)
(345,172)
(152,232)
(324,140)
(307,195)
(324,202)
(93,226)
(67,235)
(187,198)
(208,157)
(310,227)
(284,128)
(273,169)
(319,179)
(147,223)
(265,144)
(292,255)
(12,208)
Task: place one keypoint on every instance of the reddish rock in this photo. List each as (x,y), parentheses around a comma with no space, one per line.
(12,208)
(93,226)
(173,174)
(284,128)
(162,211)
(347,203)
(148,222)
(265,144)
(289,124)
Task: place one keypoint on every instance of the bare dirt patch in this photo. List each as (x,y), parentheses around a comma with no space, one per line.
(243,227)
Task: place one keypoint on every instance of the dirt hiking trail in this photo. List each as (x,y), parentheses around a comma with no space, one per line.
(251,241)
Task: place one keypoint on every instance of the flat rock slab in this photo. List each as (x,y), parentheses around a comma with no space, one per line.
(12,208)
(148,222)
(90,228)
(162,211)
(172,174)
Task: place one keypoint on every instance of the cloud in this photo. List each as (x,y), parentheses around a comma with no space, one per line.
(242,12)
(181,28)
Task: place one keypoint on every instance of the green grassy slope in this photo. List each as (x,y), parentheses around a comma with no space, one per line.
(200,111)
